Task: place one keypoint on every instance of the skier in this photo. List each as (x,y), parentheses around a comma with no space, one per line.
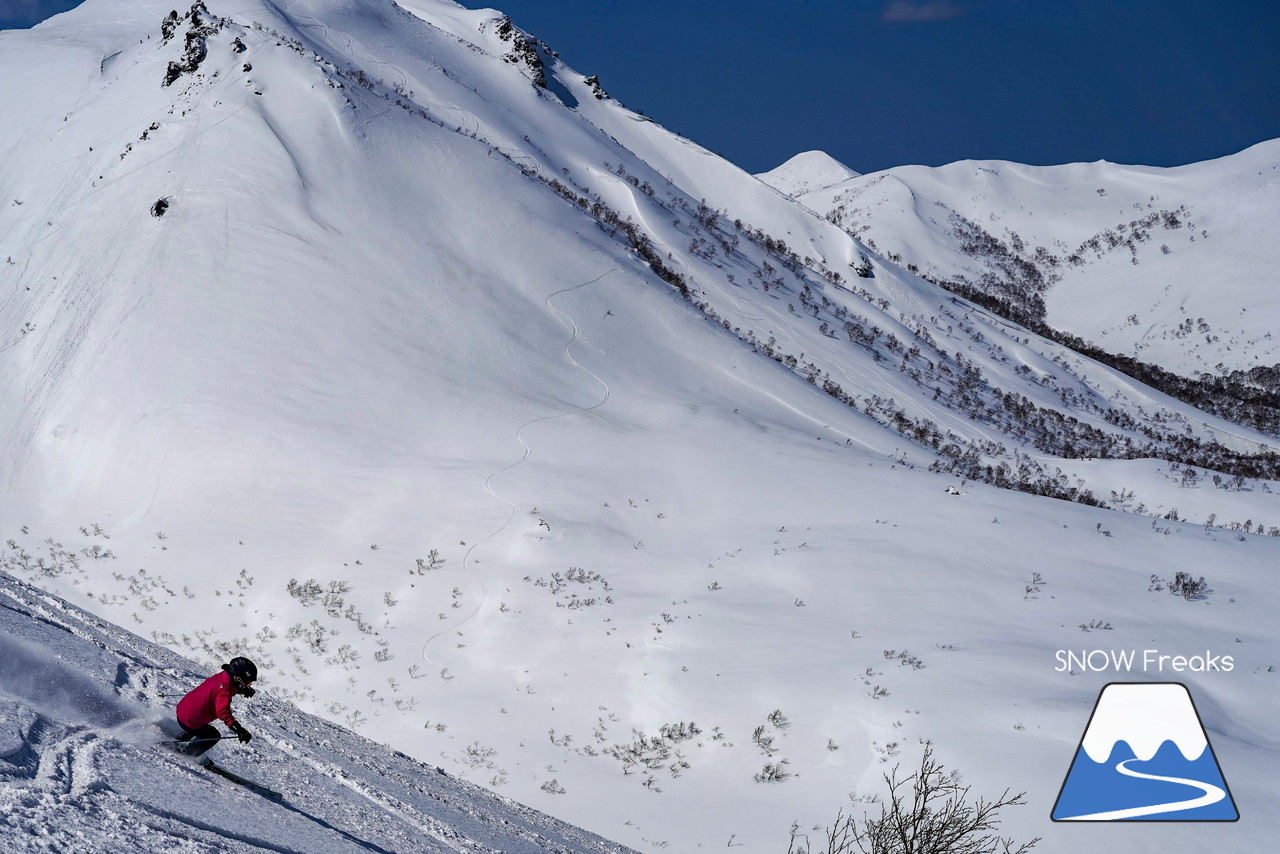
(212,699)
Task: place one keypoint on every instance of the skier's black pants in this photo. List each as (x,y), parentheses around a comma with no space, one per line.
(197,742)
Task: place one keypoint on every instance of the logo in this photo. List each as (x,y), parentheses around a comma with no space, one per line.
(1145,756)
(1149,661)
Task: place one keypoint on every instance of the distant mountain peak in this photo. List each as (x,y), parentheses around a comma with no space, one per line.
(806,172)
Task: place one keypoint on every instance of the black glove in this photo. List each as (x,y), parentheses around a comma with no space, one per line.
(247,692)
(241,733)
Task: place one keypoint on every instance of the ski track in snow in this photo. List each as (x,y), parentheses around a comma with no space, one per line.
(467,562)
(383,801)
(1212,794)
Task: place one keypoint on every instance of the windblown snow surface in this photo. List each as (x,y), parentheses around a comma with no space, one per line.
(504,427)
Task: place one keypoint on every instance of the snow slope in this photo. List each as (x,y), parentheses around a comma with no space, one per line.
(504,426)
(1169,265)
(85,707)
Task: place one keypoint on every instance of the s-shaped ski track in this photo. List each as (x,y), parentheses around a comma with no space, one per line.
(527,452)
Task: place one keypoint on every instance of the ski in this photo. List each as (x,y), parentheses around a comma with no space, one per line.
(265,791)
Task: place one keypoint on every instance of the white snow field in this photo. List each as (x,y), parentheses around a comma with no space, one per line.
(84,766)
(516,433)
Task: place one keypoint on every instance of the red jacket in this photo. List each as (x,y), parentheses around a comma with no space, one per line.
(211,700)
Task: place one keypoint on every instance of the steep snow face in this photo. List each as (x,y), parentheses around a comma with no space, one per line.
(315,233)
(507,427)
(1169,265)
(807,172)
(86,709)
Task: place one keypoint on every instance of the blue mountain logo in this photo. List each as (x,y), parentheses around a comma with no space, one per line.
(1145,756)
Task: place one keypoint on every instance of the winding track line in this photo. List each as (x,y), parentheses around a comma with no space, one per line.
(1212,794)
(488,481)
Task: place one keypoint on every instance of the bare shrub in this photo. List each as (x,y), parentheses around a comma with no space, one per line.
(927,813)
(1187,587)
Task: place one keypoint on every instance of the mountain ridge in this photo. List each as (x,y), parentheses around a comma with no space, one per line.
(975,223)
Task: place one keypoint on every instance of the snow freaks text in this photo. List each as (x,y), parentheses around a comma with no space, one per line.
(1144,661)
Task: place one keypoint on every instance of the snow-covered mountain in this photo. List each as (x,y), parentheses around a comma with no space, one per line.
(1172,266)
(508,428)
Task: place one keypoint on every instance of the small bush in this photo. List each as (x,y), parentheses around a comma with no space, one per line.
(1188,588)
(773,772)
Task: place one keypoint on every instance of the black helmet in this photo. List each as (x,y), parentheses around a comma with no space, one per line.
(242,669)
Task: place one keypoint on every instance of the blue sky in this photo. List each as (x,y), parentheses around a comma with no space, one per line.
(879,83)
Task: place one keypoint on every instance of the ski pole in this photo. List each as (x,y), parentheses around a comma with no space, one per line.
(192,740)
